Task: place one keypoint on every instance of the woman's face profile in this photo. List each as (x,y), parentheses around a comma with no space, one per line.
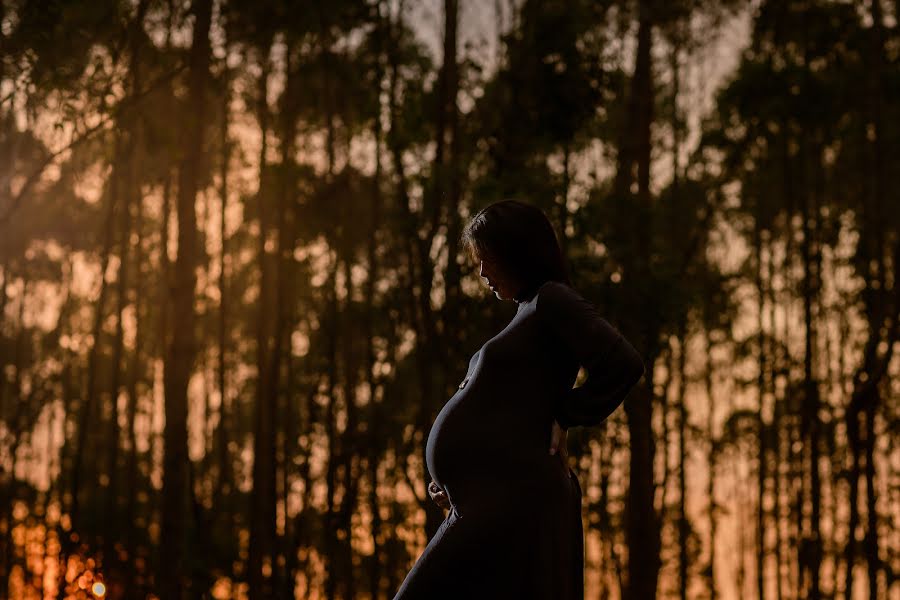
(489,270)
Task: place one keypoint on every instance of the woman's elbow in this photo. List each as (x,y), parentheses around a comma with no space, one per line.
(634,362)
(639,371)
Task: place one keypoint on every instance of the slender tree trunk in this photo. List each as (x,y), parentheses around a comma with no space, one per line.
(262,501)
(284,324)
(287,234)
(349,442)
(374,458)
(134,374)
(838,459)
(712,507)
(787,416)
(774,365)
(300,531)
(335,451)
(87,409)
(761,429)
(180,358)
(668,357)
(871,539)
(879,188)
(225,475)
(134,197)
(455,180)
(164,333)
(111,520)
(289,540)
(222,431)
(810,548)
(329,545)
(642,521)
(684,526)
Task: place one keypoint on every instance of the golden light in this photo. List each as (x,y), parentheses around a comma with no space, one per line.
(99,589)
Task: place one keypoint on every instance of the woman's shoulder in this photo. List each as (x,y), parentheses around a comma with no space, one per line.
(554,296)
(554,286)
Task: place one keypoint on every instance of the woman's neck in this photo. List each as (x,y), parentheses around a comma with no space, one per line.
(526,292)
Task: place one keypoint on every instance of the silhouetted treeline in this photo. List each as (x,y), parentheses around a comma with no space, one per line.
(232,296)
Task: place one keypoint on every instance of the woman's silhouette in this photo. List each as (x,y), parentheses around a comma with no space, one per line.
(514,528)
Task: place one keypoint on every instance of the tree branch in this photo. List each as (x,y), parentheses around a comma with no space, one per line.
(35,176)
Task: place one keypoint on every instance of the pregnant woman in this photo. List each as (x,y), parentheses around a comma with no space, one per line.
(496,451)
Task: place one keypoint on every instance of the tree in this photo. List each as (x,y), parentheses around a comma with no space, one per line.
(182,351)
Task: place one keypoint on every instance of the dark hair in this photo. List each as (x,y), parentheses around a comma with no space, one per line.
(521,239)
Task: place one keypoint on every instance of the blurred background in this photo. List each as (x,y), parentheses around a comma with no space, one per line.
(232,297)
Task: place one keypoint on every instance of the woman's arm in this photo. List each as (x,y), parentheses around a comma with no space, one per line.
(613,365)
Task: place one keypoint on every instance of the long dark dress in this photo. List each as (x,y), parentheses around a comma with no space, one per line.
(514,529)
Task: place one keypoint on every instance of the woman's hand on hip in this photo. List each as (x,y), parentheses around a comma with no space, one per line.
(438,495)
(558,442)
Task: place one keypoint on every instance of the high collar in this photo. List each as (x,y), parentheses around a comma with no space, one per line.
(527,293)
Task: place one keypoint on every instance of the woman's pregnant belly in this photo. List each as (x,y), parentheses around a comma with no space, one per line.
(457,439)
(490,443)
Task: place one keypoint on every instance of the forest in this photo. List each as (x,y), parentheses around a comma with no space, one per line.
(233,296)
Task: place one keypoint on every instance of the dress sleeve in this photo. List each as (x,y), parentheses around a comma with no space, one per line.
(613,365)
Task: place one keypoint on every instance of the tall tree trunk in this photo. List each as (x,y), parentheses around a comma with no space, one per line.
(880,187)
(642,521)
(761,428)
(787,416)
(777,404)
(350,450)
(284,315)
(111,520)
(871,539)
(305,419)
(454,179)
(262,500)
(810,548)
(838,459)
(180,358)
(684,526)
(712,507)
(134,197)
(333,575)
(164,333)
(222,431)
(374,418)
(134,375)
(330,550)
(87,409)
